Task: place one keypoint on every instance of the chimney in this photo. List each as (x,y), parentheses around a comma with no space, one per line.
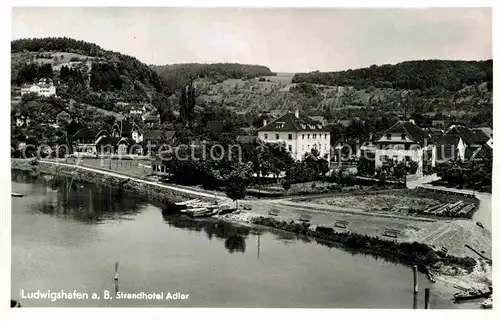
(296,113)
(265,122)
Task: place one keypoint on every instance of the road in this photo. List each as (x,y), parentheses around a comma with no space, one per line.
(115,174)
(483,214)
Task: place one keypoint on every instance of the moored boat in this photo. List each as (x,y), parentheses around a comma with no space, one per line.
(473,294)
(17,194)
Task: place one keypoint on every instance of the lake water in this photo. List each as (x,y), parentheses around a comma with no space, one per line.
(69,238)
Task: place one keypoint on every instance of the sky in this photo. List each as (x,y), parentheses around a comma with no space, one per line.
(285,40)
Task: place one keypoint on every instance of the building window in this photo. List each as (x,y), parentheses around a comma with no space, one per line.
(265,136)
(290,148)
(290,136)
(407,158)
(303,136)
(388,136)
(308,136)
(277,136)
(314,136)
(403,136)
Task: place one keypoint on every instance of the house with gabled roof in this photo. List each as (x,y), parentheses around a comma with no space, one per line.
(300,135)
(118,146)
(126,128)
(403,142)
(460,142)
(84,141)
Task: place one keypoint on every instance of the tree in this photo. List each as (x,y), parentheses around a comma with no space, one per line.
(287,184)
(366,167)
(187,103)
(238,181)
(162,104)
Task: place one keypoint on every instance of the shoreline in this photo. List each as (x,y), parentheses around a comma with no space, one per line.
(447,272)
(151,190)
(447,275)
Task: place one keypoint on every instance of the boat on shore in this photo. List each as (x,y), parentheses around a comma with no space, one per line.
(473,294)
(488,303)
(16,194)
(198,208)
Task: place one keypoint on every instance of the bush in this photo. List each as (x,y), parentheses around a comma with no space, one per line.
(414,253)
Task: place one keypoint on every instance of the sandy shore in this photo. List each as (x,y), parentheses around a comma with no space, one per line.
(447,278)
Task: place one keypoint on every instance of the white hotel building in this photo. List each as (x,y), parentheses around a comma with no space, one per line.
(42,88)
(300,134)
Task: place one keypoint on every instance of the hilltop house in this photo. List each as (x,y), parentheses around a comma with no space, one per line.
(125,128)
(151,120)
(405,141)
(21,120)
(43,87)
(300,134)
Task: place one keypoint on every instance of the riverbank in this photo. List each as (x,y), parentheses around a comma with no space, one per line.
(363,233)
(449,272)
(152,190)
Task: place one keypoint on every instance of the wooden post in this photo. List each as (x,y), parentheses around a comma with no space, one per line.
(415,300)
(427,295)
(415,282)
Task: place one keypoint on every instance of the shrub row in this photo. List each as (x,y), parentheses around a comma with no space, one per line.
(412,253)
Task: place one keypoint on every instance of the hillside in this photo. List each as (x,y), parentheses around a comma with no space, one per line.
(462,90)
(424,75)
(177,75)
(86,72)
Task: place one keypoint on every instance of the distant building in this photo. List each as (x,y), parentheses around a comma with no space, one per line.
(300,134)
(403,142)
(43,87)
(151,120)
(137,109)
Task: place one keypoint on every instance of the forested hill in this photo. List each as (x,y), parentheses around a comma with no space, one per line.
(409,75)
(177,75)
(86,72)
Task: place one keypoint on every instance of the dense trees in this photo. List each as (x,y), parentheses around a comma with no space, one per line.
(71,75)
(31,72)
(475,174)
(113,77)
(412,75)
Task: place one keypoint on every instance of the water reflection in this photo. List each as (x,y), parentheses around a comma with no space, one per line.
(234,235)
(63,197)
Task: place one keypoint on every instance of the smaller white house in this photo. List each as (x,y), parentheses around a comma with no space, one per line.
(22,120)
(404,142)
(43,88)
